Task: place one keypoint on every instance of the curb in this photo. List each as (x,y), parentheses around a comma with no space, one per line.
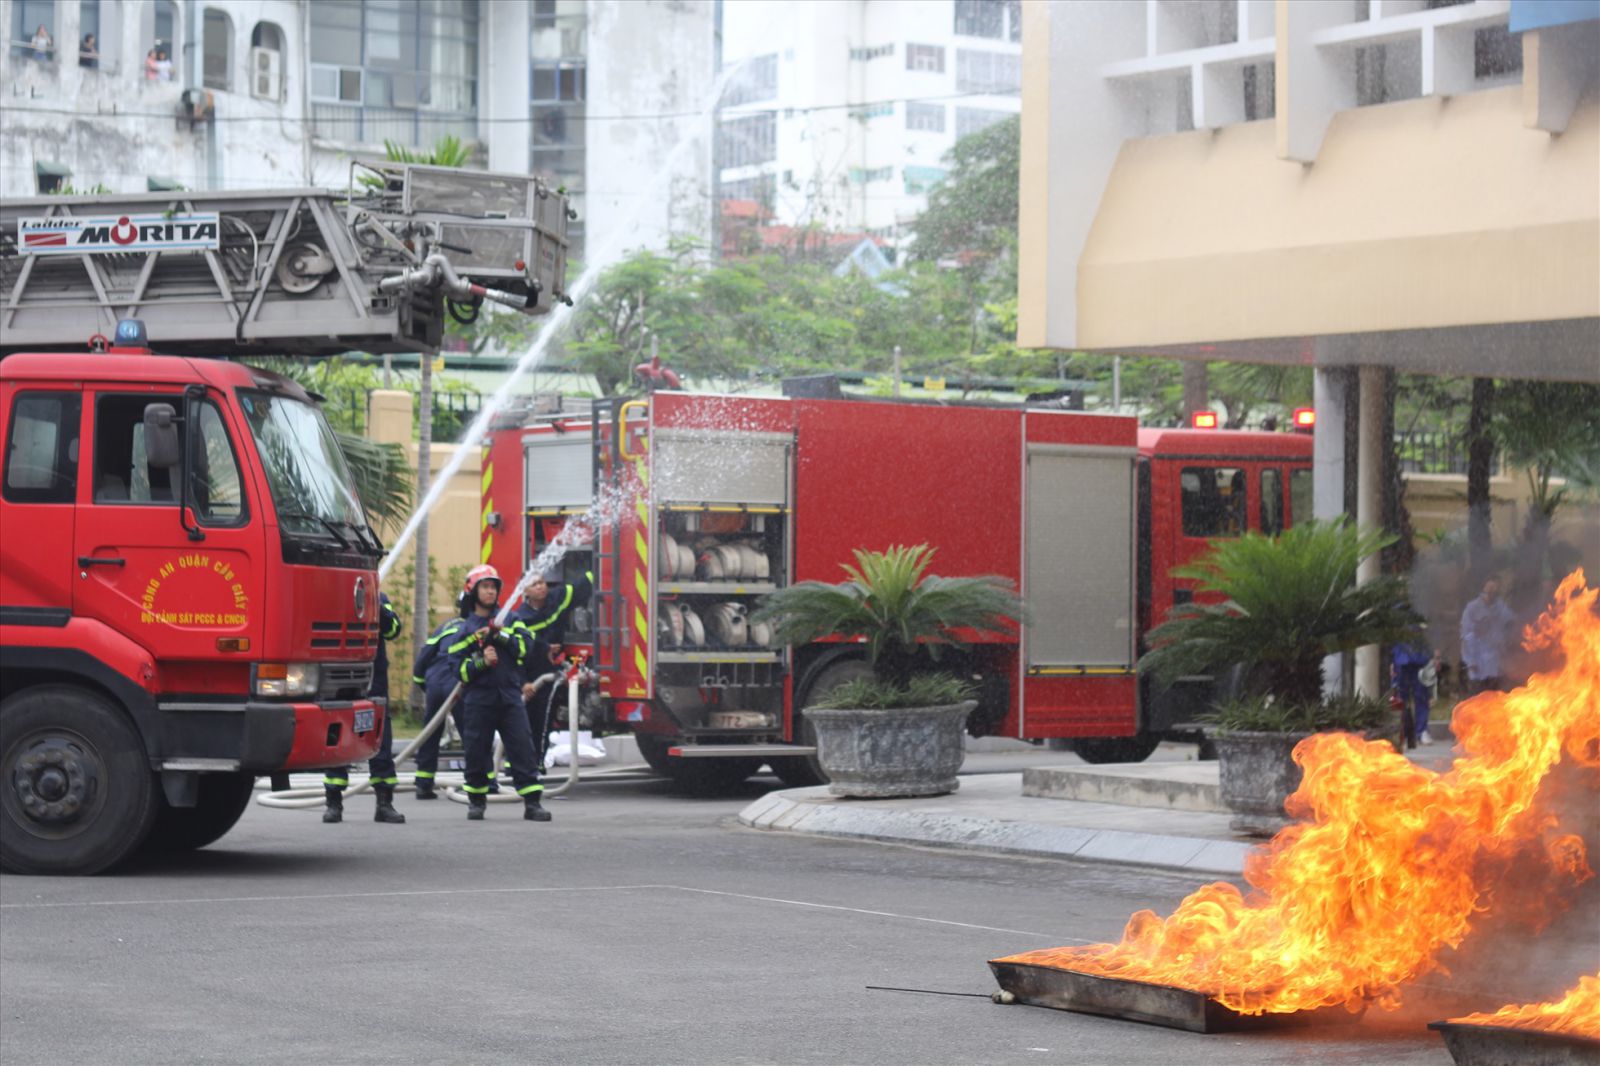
(786,812)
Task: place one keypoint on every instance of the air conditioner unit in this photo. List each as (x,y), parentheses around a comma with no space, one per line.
(266,73)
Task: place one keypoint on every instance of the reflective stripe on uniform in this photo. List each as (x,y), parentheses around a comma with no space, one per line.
(336,782)
(476,790)
(446,630)
(385,780)
(426,774)
(463,644)
(464,664)
(529,790)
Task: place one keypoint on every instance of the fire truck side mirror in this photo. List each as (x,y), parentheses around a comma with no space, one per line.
(161,436)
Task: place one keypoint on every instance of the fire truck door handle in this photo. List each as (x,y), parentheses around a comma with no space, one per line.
(101,560)
(622,427)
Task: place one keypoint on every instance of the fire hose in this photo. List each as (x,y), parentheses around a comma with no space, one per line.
(572,673)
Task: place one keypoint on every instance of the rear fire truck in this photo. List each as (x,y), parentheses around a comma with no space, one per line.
(703,504)
(188,586)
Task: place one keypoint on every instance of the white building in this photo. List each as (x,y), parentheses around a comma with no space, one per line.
(842,111)
(598,94)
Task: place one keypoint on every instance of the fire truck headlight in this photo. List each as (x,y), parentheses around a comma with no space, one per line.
(285,679)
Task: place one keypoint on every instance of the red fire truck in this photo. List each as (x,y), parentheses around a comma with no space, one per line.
(188,586)
(706,503)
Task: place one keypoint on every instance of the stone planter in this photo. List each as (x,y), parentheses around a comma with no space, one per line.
(1258,773)
(909,751)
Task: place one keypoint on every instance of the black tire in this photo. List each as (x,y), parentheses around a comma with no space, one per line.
(76,792)
(1116,749)
(221,803)
(804,771)
(699,777)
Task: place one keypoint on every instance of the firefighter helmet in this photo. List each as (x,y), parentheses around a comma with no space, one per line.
(481,573)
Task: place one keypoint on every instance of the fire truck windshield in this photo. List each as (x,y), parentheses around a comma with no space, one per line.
(312,489)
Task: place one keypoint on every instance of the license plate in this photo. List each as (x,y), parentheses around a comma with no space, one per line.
(364,721)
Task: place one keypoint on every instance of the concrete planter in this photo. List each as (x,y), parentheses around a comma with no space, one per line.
(908,751)
(1257,774)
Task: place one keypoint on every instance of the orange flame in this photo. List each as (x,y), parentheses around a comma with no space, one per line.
(1391,862)
(1577,1012)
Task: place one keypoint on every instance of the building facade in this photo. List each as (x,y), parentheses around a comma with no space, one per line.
(840,112)
(609,98)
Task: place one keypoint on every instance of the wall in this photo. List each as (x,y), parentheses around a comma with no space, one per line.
(652,58)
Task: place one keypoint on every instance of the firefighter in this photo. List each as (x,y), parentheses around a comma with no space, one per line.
(489,661)
(381,765)
(543,613)
(432,673)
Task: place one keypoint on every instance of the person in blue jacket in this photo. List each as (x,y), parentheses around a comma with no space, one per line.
(1410,660)
(489,661)
(433,674)
(543,614)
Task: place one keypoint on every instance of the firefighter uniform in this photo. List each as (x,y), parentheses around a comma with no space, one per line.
(433,673)
(547,623)
(492,702)
(381,765)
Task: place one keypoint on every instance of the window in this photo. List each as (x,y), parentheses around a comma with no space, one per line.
(89,46)
(756,80)
(266,61)
(748,140)
(970,120)
(863,175)
(218,53)
(883,110)
(1496,52)
(28,18)
(1271,501)
(762,189)
(1000,20)
(544,14)
(928,57)
(122,473)
(987,72)
(393,70)
(926,117)
(1213,501)
(560,81)
(876,52)
(921,179)
(215,487)
(49,177)
(1300,496)
(42,448)
(167,24)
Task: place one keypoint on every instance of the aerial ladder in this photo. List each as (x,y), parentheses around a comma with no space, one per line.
(309,272)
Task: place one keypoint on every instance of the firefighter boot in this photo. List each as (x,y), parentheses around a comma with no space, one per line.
(334,811)
(386,811)
(425,789)
(476,806)
(533,810)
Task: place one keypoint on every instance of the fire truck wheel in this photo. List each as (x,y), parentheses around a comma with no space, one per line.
(804,771)
(222,801)
(654,752)
(76,792)
(1116,749)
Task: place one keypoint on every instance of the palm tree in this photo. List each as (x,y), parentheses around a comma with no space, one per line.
(1288,601)
(906,615)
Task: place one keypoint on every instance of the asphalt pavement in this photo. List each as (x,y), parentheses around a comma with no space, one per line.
(641,926)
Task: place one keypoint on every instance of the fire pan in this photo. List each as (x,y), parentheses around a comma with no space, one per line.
(1177,1008)
(1505,1045)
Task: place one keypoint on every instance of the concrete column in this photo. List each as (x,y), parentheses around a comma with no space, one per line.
(1369,506)
(389,417)
(1331,396)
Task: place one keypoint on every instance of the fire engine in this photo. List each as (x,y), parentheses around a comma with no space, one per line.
(188,592)
(701,504)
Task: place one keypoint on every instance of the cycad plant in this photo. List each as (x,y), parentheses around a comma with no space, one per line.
(1288,601)
(906,616)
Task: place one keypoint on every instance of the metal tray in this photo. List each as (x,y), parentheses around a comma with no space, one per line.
(1507,1045)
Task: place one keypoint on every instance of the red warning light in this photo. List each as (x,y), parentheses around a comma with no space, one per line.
(1203,420)
(1305,418)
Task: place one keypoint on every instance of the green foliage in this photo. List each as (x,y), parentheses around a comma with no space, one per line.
(97,189)
(892,603)
(448,152)
(1268,714)
(877,694)
(974,211)
(1549,428)
(383,478)
(1288,601)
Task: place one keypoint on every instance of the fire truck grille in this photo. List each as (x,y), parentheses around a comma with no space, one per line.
(353,636)
(345,681)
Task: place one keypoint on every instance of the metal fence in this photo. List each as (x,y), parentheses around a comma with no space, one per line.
(452,412)
(1435,452)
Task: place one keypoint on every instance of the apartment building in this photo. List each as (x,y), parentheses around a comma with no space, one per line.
(609,98)
(841,112)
